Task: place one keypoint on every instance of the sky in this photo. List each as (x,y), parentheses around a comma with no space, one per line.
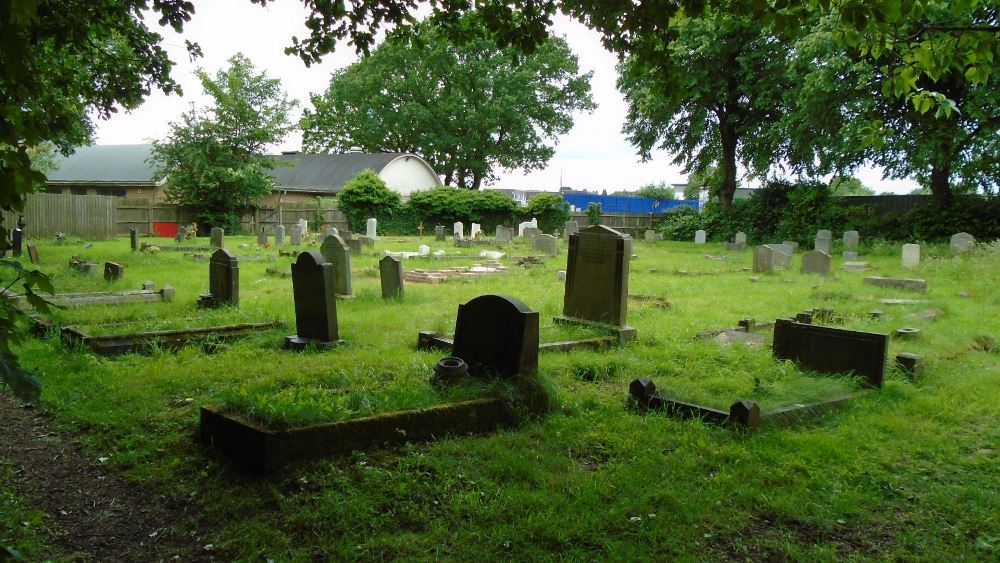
(594,155)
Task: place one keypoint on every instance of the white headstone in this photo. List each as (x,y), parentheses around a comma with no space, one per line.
(474,230)
(423,250)
(459,229)
(699,237)
(372,229)
(330,231)
(911,255)
(522,226)
(304,225)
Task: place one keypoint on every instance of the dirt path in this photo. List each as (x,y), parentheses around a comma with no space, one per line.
(93,513)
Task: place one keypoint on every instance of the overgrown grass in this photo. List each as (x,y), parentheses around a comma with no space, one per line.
(909,473)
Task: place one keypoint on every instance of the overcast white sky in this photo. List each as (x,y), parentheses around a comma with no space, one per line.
(593,155)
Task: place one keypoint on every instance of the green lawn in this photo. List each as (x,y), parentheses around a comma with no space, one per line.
(909,473)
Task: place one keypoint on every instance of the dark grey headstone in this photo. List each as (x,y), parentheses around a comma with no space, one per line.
(338,254)
(133,235)
(33,253)
(497,336)
(391,272)
(224,277)
(218,237)
(16,242)
(832,350)
(354,245)
(439,234)
(313,288)
(597,276)
(113,271)
(262,237)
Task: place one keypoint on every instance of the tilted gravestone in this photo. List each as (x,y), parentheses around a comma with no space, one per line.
(650,235)
(296,234)
(133,235)
(911,255)
(497,336)
(547,244)
(832,350)
(339,255)
(279,235)
(780,258)
(439,235)
(699,237)
(371,228)
(571,228)
(113,271)
(816,262)
(597,279)
(391,273)
(962,242)
(17,240)
(218,237)
(33,253)
(223,280)
(458,229)
(262,237)
(313,288)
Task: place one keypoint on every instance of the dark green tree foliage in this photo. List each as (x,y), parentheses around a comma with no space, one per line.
(594,213)
(710,97)
(659,190)
(446,205)
(365,196)
(214,159)
(467,109)
(551,210)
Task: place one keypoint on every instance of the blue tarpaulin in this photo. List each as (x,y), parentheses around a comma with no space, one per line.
(623,204)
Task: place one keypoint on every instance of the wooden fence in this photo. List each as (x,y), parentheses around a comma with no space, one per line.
(87,216)
(634,224)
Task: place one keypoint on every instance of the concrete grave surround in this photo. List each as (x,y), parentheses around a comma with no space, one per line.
(337,253)
(832,350)
(224,277)
(547,244)
(391,273)
(497,336)
(962,242)
(296,234)
(458,229)
(439,235)
(699,237)
(279,235)
(911,255)
(218,237)
(371,229)
(313,289)
(597,276)
(908,284)
(816,262)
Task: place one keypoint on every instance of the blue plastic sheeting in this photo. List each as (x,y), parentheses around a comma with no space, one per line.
(621,204)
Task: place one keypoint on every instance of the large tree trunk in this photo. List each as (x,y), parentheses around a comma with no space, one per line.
(727,164)
(941,184)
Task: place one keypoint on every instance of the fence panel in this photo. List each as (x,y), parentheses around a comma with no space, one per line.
(634,224)
(91,217)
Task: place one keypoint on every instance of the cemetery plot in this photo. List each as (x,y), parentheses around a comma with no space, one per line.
(144,342)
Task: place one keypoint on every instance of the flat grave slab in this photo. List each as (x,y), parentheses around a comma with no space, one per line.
(144,342)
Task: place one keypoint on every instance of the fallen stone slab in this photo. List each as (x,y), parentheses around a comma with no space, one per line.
(908,284)
(144,342)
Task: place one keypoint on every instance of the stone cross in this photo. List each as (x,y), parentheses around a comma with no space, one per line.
(816,262)
(315,302)
(497,336)
(133,235)
(420,229)
(911,255)
(218,237)
(279,235)
(337,253)
(699,237)
(391,273)
(371,230)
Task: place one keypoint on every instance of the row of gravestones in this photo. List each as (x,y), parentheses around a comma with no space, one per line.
(503,234)
(217,235)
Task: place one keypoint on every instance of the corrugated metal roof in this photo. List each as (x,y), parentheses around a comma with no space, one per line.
(326,172)
(105,163)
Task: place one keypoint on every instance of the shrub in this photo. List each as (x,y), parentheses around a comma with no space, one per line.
(680,223)
(594,213)
(551,210)
(366,196)
(446,205)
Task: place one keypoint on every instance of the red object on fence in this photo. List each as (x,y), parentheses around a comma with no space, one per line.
(165,230)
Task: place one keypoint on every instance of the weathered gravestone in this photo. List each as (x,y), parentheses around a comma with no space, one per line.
(532,232)
(497,336)
(851,241)
(262,237)
(699,237)
(740,238)
(504,234)
(16,242)
(303,226)
(296,234)
(781,257)
(907,284)
(832,350)
(791,245)
(113,271)
(911,255)
(223,280)
(439,235)
(571,228)
(597,280)
(33,253)
(762,260)
(458,229)
(547,244)
(371,229)
(816,262)
(962,242)
(338,254)
(474,230)
(824,239)
(332,231)
(218,237)
(354,245)
(133,235)
(650,235)
(525,225)
(391,272)
(313,288)
(279,235)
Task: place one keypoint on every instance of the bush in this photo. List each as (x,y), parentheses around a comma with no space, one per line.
(594,213)
(446,205)
(366,196)
(551,210)
(680,223)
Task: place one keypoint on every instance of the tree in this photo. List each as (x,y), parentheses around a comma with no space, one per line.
(659,190)
(551,210)
(707,178)
(214,159)
(848,185)
(365,196)
(710,97)
(467,109)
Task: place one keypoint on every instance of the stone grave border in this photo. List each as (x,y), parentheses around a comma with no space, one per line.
(743,413)
(165,294)
(428,340)
(143,342)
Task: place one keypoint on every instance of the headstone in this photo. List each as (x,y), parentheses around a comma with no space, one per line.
(571,228)
(354,245)
(597,276)
(332,231)
(911,255)
(371,228)
(962,242)
(740,238)
(823,241)
(531,232)
(113,271)
(262,237)
(792,245)
(181,235)
(423,250)
(338,254)
(504,234)
(218,237)
(526,225)
(223,279)
(497,336)
(17,242)
(89,268)
(474,230)
(458,229)
(912,365)
(779,257)
(33,253)
(561,275)
(851,240)
(304,226)
(816,262)
(650,235)
(762,260)
(658,236)
(854,266)
(279,235)
(699,237)
(391,272)
(547,244)
(313,288)
(832,350)
(439,235)
(296,234)
(133,235)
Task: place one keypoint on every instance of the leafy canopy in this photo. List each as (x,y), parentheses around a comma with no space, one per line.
(365,196)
